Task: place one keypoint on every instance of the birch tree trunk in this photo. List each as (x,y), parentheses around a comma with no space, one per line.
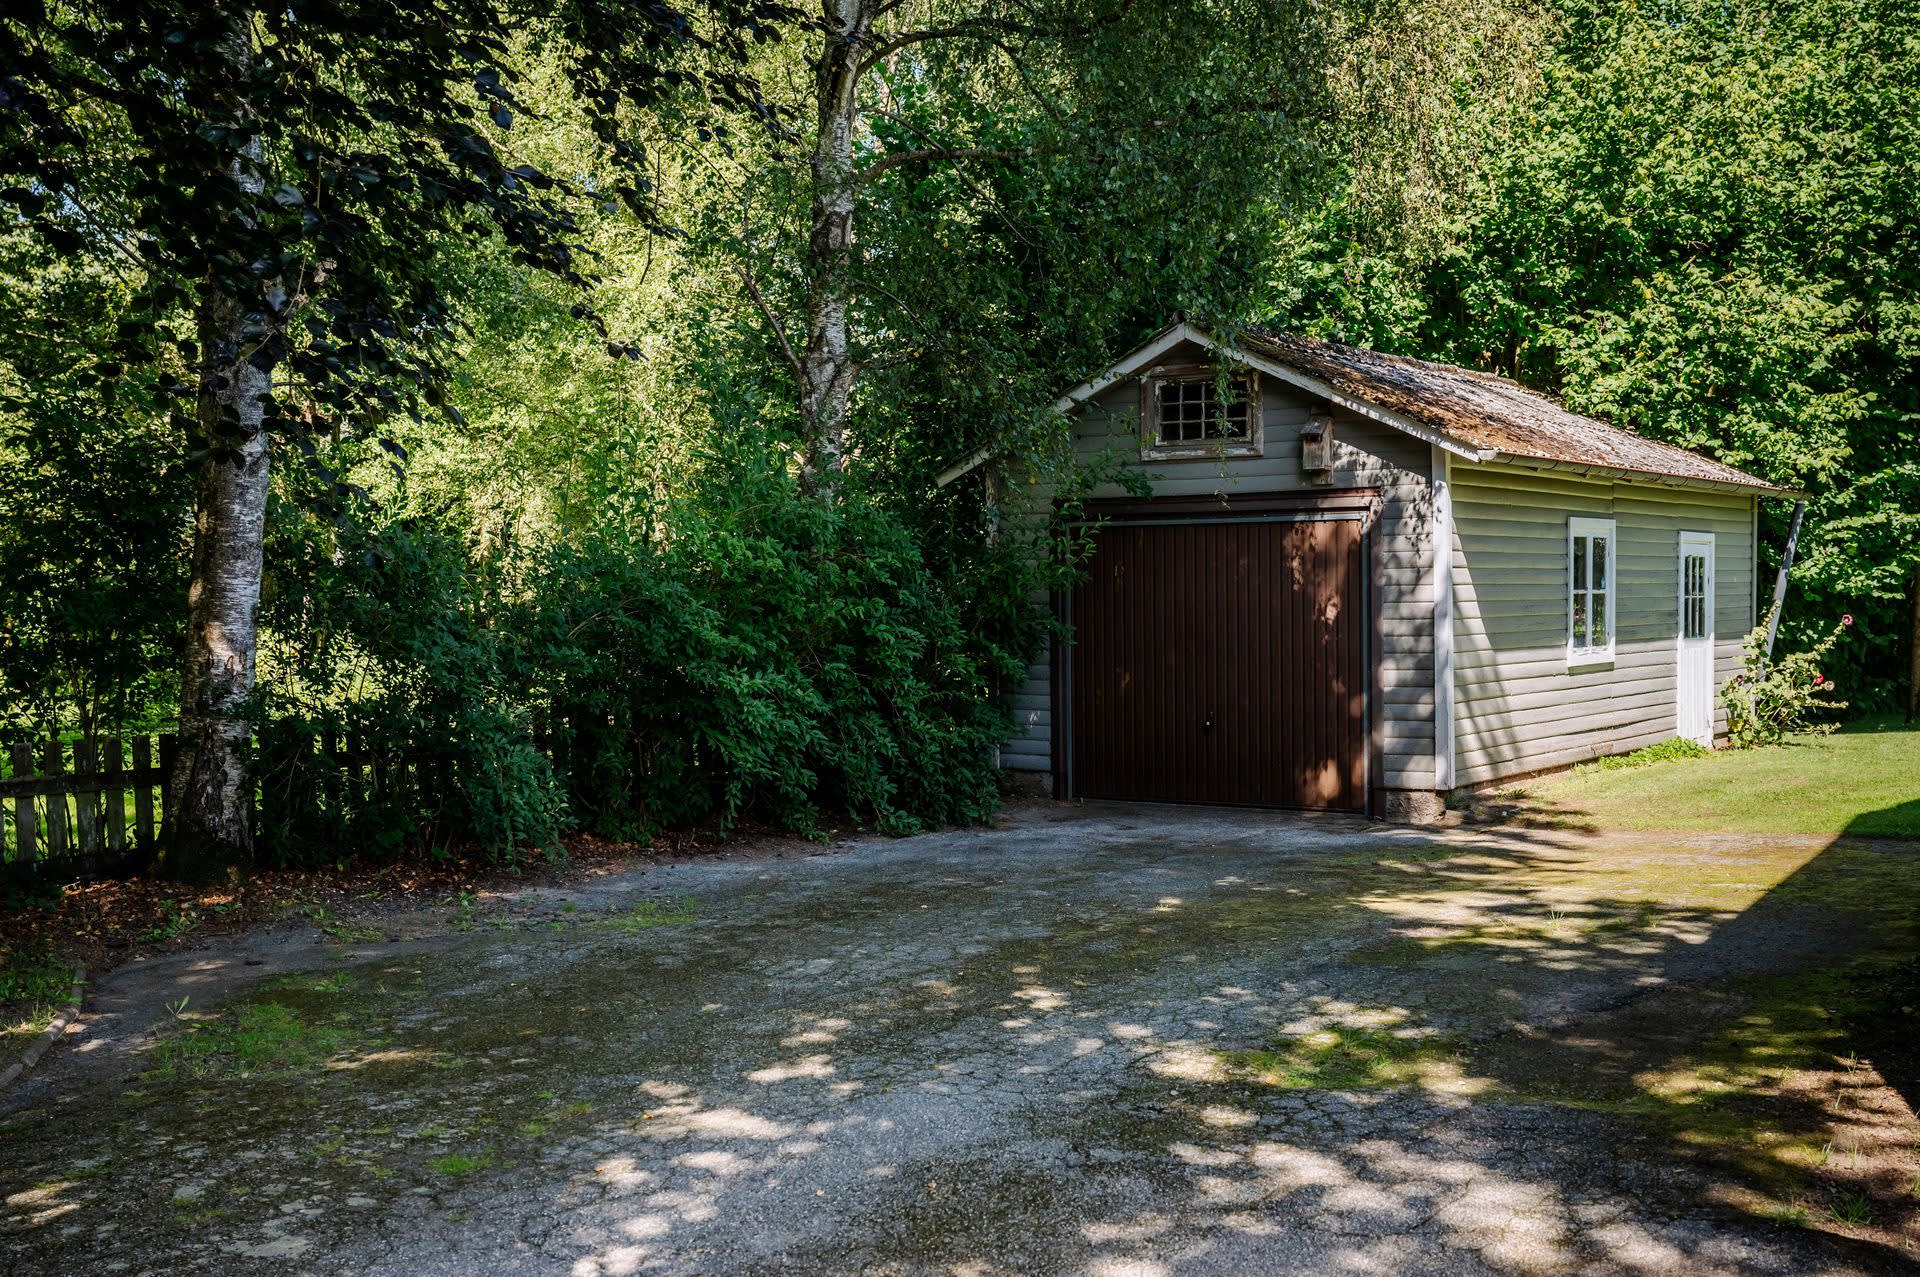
(209,807)
(827,368)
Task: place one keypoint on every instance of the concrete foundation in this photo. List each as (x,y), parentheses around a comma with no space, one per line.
(1413,806)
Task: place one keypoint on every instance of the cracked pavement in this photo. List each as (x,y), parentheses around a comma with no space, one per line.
(972,1053)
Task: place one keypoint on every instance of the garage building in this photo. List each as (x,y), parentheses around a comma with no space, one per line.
(1363,580)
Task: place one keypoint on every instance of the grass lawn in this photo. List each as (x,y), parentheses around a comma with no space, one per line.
(1863,779)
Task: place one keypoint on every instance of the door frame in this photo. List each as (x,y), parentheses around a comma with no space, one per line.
(1362,504)
(1693,542)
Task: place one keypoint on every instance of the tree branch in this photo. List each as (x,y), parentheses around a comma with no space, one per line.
(898,158)
(980,29)
(773,322)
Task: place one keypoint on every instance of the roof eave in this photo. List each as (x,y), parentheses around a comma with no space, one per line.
(1145,356)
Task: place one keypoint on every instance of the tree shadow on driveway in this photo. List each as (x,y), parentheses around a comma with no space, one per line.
(1037,1050)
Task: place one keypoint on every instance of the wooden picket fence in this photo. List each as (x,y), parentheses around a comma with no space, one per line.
(74,808)
(82,804)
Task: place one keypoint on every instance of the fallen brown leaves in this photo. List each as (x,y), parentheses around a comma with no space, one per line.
(106,922)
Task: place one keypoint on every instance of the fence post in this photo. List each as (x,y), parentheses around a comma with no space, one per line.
(53,767)
(169,751)
(86,798)
(114,797)
(143,832)
(26,817)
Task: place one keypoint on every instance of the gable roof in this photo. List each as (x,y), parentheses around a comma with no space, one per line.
(1472,414)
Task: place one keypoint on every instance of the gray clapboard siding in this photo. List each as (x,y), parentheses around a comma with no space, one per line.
(1367,454)
(1519,707)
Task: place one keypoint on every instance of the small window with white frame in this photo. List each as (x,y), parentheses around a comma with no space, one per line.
(1590,590)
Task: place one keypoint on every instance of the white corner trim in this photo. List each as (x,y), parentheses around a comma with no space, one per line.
(1145,357)
(1441,541)
(960,469)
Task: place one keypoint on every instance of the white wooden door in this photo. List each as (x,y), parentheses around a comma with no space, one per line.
(1694,708)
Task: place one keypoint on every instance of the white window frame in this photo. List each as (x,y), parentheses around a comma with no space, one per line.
(1579,652)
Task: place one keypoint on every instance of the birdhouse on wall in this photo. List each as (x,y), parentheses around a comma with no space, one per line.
(1316,447)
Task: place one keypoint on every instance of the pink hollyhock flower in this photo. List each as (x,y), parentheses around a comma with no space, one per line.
(1846,618)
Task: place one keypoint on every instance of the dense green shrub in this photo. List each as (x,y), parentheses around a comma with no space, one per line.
(766,654)
(1769,701)
(384,636)
(737,650)
(96,509)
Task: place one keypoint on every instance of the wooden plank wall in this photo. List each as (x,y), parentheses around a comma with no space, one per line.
(1520,707)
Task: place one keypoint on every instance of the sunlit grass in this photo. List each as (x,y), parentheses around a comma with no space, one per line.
(1863,779)
(461,1163)
(1346,1058)
(253,1038)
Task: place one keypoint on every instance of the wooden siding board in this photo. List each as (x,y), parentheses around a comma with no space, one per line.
(1519,707)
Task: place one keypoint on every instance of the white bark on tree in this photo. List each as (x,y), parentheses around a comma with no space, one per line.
(209,805)
(827,367)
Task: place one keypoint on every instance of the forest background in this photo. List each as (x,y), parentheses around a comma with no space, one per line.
(653,541)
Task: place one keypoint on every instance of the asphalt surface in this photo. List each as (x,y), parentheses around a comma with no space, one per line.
(970,1053)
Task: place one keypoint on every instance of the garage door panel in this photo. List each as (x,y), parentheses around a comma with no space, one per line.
(1220,663)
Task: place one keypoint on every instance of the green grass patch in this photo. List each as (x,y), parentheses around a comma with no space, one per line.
(33,973)
(1863,779)
(461,1163)
(1666,751)
(338,982)
(259,1037)
(1348,1059)
(668,911)
(34,984)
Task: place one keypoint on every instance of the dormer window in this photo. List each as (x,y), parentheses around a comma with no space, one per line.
(1195,412)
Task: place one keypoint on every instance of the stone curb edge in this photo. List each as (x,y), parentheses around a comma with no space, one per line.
(49,1035)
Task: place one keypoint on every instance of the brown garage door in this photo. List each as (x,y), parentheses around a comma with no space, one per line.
(1220,663)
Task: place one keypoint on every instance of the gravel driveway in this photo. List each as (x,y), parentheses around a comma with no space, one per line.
(1034,1049)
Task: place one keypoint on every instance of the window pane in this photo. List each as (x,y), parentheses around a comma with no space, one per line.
(1579,620)
(1600,637)
(1579,565)
(1600,581)
(1192,410)
(1232,420)
(1693,612)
